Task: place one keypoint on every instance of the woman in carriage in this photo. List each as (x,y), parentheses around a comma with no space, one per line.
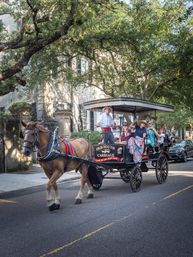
(136,143)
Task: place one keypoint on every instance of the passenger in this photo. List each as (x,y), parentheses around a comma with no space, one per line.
(169,136)
(173,136)
(127,132)
(162,134)
(136,143)
(116,133)
(106,123)
(140,131)
(124,132)
(132,129)
(152,136)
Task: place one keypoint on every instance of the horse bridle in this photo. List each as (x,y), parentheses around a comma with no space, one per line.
(35,138)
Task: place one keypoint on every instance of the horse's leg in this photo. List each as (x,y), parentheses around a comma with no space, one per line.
(83,180)
(90,188)
(51,193)
(57,196)
(50,196)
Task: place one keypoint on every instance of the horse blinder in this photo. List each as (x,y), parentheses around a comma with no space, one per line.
(29,143)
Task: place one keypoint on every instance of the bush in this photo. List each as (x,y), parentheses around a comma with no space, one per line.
(94,137)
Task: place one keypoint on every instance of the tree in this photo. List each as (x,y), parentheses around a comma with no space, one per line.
(142,49)
(181,118)
(43,23)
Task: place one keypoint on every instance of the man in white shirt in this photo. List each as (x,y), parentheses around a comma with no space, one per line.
(106,123)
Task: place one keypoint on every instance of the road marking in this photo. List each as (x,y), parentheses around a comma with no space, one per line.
(6,201)
(94,232)
(176,193)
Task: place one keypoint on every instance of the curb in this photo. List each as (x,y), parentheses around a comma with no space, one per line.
(31,189)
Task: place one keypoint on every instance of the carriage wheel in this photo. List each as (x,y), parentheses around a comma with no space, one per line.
(96,177)
(98,183)
(96,187)
(184,158)
(161,169)
(153,163)
(136,178)
(125,175)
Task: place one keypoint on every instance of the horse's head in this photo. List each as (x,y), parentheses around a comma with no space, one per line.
(31,136)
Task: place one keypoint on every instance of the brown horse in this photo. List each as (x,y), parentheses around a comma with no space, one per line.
(36,135)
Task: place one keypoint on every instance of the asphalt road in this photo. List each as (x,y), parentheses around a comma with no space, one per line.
(155,222)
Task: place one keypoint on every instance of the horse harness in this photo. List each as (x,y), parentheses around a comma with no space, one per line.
(53,147)
(35,140)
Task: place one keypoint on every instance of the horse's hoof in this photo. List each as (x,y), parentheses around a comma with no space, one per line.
(78,201)
(90,196)
(57,206)
(54,207)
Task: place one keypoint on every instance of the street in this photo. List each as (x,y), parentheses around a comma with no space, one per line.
(155,222)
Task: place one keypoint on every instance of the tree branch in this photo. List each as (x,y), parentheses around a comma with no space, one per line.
(39,43)
(11,84)
(171,80)
(15,42)
(161,85)
(34,16)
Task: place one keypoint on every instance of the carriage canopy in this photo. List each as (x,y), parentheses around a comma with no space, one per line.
(126,104)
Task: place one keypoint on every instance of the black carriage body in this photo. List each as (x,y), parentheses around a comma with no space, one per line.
(117,155)
(112,156)
(109,153)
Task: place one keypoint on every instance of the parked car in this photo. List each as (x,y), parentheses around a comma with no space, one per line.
(181,150)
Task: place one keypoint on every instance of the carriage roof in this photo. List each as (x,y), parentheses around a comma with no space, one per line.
(127,104)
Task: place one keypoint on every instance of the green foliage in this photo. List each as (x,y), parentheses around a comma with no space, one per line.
(92,136)
(19,108)
(4,116)
(142,49)
(181,118)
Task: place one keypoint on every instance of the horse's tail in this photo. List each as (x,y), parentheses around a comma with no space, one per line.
(89,150)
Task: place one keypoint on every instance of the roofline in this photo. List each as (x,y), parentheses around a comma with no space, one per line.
(127,101)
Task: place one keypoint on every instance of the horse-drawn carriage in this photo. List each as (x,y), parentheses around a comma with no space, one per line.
(57,156)
(111,158)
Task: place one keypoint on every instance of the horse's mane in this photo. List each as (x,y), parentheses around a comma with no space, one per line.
(38,125)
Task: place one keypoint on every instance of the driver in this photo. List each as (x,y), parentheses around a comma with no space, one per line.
(106,123)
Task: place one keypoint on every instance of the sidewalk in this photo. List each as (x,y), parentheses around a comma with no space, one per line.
(25,179)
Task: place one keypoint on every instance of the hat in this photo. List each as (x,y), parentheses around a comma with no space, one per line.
(107,107)
(143,121)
